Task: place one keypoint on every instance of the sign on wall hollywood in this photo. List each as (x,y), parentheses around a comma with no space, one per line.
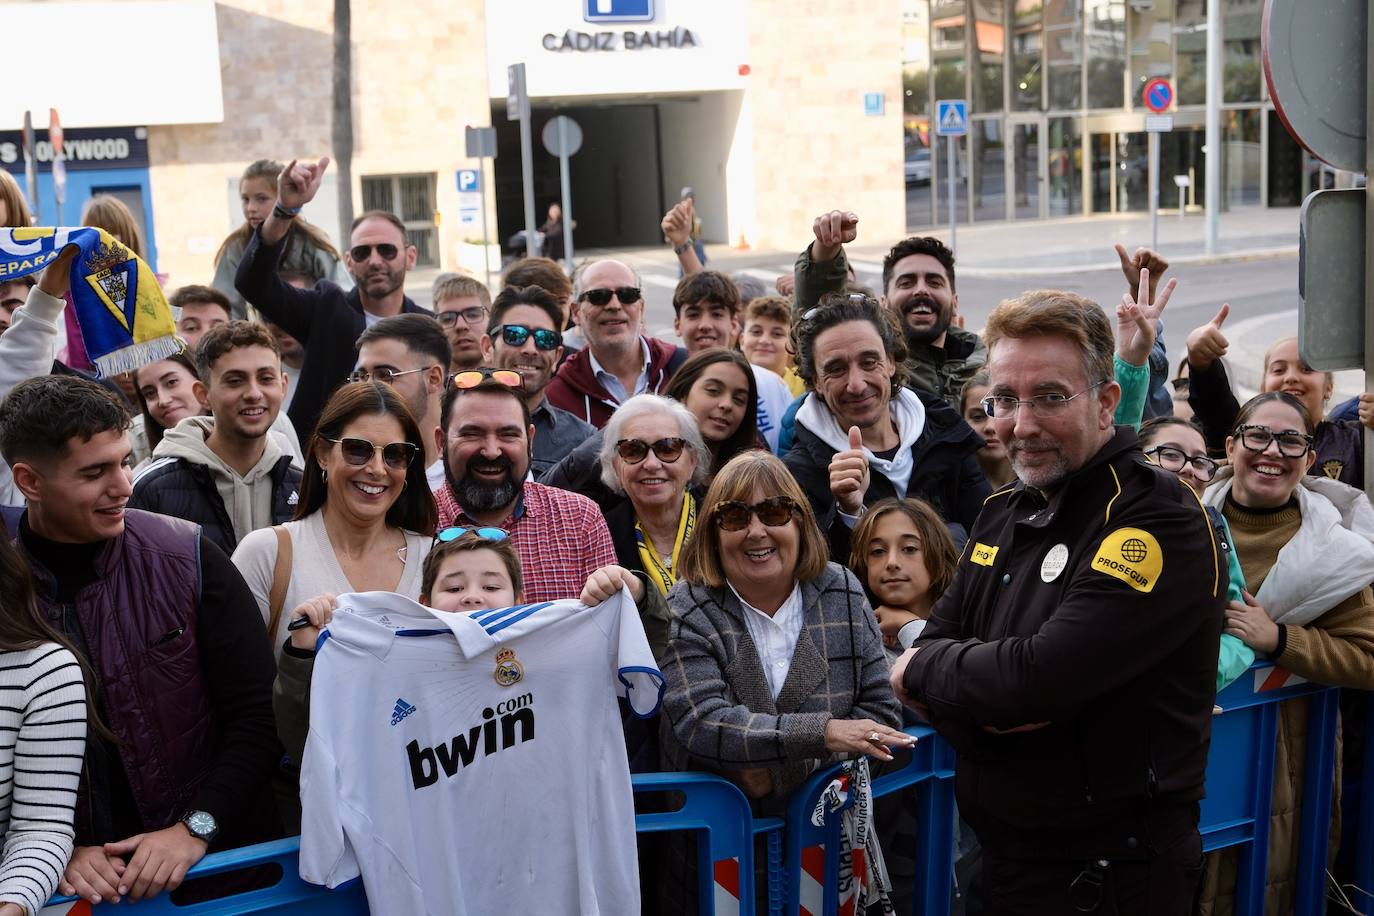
(628,40)
(83,149)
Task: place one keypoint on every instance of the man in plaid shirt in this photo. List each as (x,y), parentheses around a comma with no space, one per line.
(561,537)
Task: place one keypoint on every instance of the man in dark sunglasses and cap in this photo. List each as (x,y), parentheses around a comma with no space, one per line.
(325,319)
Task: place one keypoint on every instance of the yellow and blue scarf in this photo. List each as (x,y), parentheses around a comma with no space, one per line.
(124,317)
(665,575)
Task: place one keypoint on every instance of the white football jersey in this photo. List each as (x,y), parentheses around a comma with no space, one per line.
(474,763)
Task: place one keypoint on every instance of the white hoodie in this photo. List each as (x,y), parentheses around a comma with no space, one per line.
(247,499)
(1328,560)
(907,412)
(26,351)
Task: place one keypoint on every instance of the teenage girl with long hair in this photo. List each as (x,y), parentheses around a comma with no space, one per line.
(308,253)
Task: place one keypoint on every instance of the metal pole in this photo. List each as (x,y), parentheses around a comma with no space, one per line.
(1154,190)
(567,193)
(1213,172)
(482,189)
(953,211)
(527,180)
(1369,252)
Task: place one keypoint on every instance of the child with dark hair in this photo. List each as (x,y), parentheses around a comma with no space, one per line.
(472,569)
(905,559)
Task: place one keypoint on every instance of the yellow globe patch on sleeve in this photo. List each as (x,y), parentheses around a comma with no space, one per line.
(1131,555)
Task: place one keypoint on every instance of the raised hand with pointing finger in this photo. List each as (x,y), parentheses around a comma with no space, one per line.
(297,185)
(1143,259)
(849,475)
(1136,320)
(1206,344)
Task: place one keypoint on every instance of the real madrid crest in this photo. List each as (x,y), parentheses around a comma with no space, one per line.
(508,670)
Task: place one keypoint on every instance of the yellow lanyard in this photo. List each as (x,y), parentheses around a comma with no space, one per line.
(664,577)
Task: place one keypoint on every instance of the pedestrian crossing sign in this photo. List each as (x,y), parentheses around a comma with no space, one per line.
(951,117)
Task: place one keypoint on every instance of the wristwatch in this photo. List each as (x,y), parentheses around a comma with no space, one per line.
(679,249)
(202,825)
(281,211)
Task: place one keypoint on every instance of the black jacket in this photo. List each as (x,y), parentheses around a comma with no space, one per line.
(325,319)
(1097,611)
(186,490)
(946,475)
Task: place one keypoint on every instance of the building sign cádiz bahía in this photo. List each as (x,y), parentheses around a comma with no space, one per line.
(628,40)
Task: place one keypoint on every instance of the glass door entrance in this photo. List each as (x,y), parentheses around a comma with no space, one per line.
(1026,170)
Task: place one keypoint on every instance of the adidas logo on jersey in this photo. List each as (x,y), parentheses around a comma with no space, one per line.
(426,763)
(402,710)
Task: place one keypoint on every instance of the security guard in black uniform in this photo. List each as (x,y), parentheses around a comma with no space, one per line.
(1072,663)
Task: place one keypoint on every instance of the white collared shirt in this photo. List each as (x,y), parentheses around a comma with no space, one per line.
(775,637)
(611,382)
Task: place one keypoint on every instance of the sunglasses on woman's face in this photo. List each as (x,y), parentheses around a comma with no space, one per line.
(774,512)
(471,378)
(633,451)
(360,253)
(515,335)
(358,452)
(628,295)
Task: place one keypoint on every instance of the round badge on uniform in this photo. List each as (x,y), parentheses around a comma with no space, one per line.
(1054,563)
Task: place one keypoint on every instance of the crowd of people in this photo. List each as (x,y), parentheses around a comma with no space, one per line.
(836,513)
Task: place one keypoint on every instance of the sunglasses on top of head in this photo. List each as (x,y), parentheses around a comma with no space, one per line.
(360,253)
(358,452)
(471,378)
(601,296)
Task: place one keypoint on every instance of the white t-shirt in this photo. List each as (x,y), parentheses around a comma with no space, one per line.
(475,763)
(774,399)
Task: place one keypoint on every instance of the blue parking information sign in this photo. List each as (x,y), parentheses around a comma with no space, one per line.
(617,10)
(469,180)
(951,117)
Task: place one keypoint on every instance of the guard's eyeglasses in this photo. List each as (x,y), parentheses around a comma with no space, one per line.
(1257,438)
(488,534)
(1042,405)
(471,378)
(1173,459)
(628,295)
(515,335)
(633,451)
(382,374)
(774,512)
(473,315)
(358,452)
(360,253)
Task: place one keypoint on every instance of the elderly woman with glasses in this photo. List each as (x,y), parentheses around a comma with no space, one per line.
(365,521)
(774,663)
(1306,547)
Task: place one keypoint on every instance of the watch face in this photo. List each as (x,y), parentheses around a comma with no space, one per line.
(201,823)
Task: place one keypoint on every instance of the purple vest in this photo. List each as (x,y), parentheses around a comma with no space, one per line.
(139,621)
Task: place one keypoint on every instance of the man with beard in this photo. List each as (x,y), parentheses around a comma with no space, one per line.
(411,354)
(524,337)
(861,435)
(485,433)
(325,319)
(918,286)
(1072,661)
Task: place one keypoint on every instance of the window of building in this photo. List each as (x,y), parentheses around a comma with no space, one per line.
(1064,53)
(411,197)
(947,26)
(1027,65)
(1152,45)
(1065,167)
(1240,55)
(1105,34)
(989,49)
(1242,164)
(1190,52)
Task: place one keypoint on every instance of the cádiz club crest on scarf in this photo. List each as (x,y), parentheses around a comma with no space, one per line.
(123,315)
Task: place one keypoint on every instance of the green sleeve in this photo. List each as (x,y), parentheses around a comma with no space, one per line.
(1235,655)
(1135,384)
(815,280)
(291,700)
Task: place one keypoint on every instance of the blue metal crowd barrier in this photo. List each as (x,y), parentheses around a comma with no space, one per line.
(1236,812)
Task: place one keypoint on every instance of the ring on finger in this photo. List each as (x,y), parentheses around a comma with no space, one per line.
(873,737)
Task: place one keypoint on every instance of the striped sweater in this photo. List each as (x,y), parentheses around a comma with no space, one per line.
(42,744)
